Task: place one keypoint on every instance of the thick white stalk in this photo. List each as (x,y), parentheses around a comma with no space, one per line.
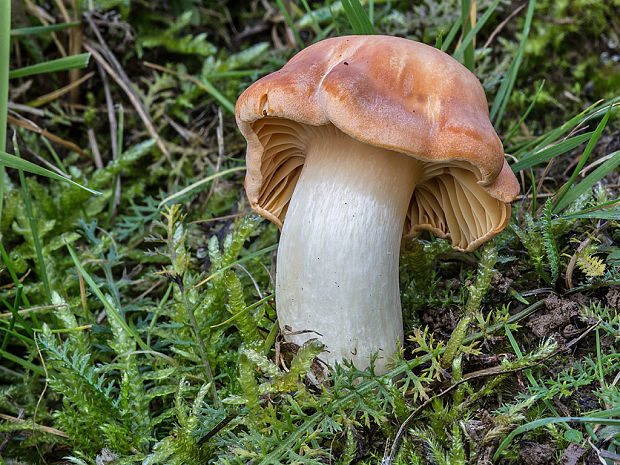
(337,270)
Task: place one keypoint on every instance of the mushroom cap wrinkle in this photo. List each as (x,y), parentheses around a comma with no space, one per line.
(395,94)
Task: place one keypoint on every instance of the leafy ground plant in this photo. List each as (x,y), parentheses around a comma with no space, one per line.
(137,319)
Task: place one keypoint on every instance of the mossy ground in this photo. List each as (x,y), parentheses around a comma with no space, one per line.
(139,325)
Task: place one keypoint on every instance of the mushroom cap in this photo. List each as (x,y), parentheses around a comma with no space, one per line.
(392,93)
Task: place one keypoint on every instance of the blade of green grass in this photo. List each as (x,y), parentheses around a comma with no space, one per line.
(552,420)
(534,193)
(466,49)
(110,309)
(549,137)
(530,376)
(438,41)
(594,111)
(5,49)
(505,89)
(599,173)
(33,226)
(11,161)
(28,31)
(602,211)
(315,23)
(55,156)
(290,23)
(548,153)
(197,184)
(61,64)
(452,33)
(20,361)
(28,342)
(525,115)
(359,20)
(560,203)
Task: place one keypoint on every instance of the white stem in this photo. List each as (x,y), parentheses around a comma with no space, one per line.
(337,270)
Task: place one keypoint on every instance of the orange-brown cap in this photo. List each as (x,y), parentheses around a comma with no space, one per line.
(392,93)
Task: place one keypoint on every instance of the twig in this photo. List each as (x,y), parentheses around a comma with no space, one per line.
(30,126)
(59,92)
(501,26)
(46,429)
(133,98)
(148,291)
(221,218)
(94,148)
(32,309)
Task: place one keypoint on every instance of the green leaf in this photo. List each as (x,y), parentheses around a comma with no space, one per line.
(553,420)
(197,184)
(25,363)
(61,64)
(602,211)
(360,22)
(505,89)
(111,310)
(560,202)
(525,115)
(548,153)
(290,23)
(469,37)
(27,31)
(11,161)
(595,176)
(5,54)
(452,33)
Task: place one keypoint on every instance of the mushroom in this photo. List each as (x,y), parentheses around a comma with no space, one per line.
(355,142)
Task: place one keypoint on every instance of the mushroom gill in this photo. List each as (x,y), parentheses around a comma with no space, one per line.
(450,202)
(283,157)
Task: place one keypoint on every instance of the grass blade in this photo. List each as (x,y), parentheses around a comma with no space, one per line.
(359,20)
(553,420)
(61,64)
(203,83)
(599,173)
(5,42)
(11,161)
(467,48)
(603,211)
(452,34)
(467,45)
(290,23)
(548,153)
(20,361)
(505,89)
(197,184)
(560,203)
(315,23)
(110,309)
(28,31)
(525,115)
(33,227)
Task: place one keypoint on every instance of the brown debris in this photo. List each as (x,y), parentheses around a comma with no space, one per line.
(533,453)
(560,312)
(572,454)
(613,297)
(501,283)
